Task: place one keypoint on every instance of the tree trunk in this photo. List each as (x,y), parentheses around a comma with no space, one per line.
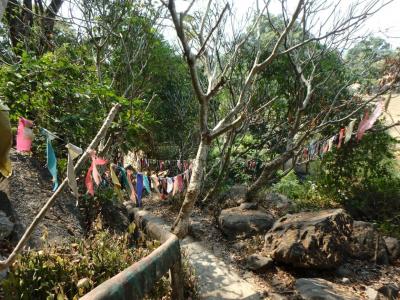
(181,224)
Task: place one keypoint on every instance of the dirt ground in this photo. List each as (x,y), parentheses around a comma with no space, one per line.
(280,279)
(24,194)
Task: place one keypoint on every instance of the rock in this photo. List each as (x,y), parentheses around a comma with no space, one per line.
(275,296)
(364,242)
(256,262)
(197,230)
(310,239)
(390,291)
(345,280)
(236,222)
(248,206)
(317,288)
(344,271)
(393,247)
(6,226)
(371,293)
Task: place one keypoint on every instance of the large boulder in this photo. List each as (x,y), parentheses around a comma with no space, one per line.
(317,289)
(367,244)
(310,239)
(393,247)
(235,222)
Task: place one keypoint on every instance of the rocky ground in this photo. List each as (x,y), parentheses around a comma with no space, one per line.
(341,276)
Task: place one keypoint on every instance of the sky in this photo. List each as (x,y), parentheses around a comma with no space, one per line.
(385,23)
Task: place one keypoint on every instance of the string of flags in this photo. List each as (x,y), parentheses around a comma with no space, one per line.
(318,148)
(114,174)
(135,183)
(162,165)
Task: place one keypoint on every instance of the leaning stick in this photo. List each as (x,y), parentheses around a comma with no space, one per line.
(99,136)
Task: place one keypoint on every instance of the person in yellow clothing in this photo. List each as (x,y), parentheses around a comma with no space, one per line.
(5,141)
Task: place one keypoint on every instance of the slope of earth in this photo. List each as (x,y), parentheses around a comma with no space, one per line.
(24,194)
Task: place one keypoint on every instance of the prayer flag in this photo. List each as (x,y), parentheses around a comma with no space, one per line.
(132,194)
(175,187)
(170,184)
(116,183)
(341,136)
(139,189)
(93,172)
(349,131)
(73,152)
(24,135)
(180,183)
(146,183)
(51,157)
(362,127)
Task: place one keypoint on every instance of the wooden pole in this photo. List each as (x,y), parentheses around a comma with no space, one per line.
(28,232)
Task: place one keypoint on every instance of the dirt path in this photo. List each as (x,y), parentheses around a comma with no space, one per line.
(216,279)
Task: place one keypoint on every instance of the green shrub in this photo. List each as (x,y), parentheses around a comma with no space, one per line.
(305,195)
(363,177)
(290,186)
(54,272)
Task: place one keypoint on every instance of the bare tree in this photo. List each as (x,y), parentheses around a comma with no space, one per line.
(211,56)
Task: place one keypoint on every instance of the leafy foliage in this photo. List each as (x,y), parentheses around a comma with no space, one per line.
(60,92)
(363,176)
(69,271)
(53,273)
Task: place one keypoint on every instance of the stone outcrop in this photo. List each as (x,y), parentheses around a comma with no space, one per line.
(310,239)
(235,222)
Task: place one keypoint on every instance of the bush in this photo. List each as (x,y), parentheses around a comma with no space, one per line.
(305,195)
(54,272)
(68,271)
(363,177)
